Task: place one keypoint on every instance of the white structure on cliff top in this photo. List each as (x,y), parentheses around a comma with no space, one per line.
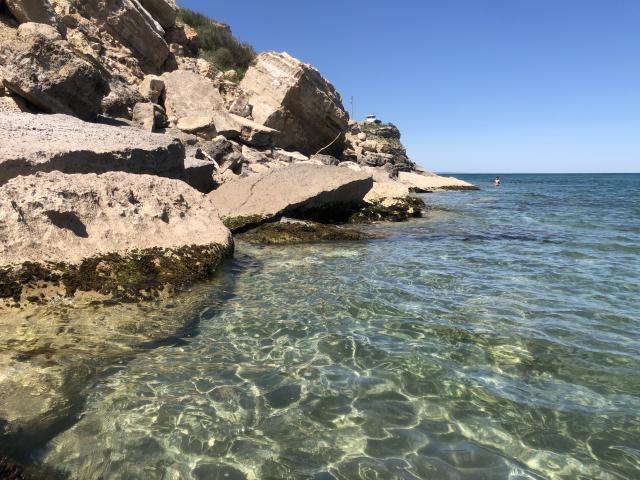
(371,119)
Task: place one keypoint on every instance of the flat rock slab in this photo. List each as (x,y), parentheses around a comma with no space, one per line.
(300,191)
(418,182)
(43,143)
(116,233)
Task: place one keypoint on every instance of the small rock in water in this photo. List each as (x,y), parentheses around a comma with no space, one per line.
(284,396)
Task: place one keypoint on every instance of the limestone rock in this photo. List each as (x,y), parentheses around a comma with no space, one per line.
(419,182)
(121,100)
(229,126)
(37,11)
(200,126)
(39,66)
(35,143)
(188,94)
(299,191)
(184,35)
(13,104)
(325,159)
(241,106)
(377,144)
(128,21)
(163,11)
(149,116)
(152,88)
(116,233)
(296,100)
(198,173)
(288,157)
(253,155)
(234,127)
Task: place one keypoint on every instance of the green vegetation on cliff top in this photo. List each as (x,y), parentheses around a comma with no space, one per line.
(217,44)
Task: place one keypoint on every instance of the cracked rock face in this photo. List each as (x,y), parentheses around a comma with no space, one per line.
(293,98)
(42,143)
(300,191)
(142,231)
(39,66)
(128,21)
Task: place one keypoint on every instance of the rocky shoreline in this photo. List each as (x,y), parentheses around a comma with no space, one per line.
(128,162)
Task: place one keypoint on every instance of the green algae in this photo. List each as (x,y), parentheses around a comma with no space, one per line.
(293,232)
(136,275)
(240,223)
(400,211)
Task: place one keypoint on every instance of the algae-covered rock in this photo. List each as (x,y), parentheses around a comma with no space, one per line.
(290,231)
(389,210)
(121,235)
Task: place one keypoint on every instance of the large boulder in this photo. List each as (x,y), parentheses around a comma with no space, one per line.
(42,143)
(294,98)
(299,191)
(197,107)
(38,11)
(163,11)
(116,234)
(129,22)
(38,65)
(188,94)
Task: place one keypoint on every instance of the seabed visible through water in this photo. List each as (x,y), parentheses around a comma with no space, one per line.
(496,338)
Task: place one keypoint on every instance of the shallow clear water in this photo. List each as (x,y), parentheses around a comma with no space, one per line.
(499,337)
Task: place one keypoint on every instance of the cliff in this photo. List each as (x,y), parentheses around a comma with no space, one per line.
(142,97)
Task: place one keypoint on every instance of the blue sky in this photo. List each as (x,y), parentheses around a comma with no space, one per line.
(474,85)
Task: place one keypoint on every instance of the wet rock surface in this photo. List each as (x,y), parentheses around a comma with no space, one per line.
(290,231)
(49,356)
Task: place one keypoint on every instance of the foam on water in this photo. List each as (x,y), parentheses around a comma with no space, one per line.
(497,338)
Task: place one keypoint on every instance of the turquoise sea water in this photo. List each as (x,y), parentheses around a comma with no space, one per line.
(496,338)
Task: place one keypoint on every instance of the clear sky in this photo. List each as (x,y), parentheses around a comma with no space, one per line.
(474,85)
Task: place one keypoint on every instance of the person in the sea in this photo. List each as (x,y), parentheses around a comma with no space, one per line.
(497,181)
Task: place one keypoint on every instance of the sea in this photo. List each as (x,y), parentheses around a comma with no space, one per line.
(497,337)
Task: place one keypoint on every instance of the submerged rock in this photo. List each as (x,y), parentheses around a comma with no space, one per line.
(293,98)
(301,191)
(290,231)
(42,143)
(120,235)
(48,356)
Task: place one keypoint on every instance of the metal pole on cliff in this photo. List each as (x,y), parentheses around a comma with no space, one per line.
(352,115)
